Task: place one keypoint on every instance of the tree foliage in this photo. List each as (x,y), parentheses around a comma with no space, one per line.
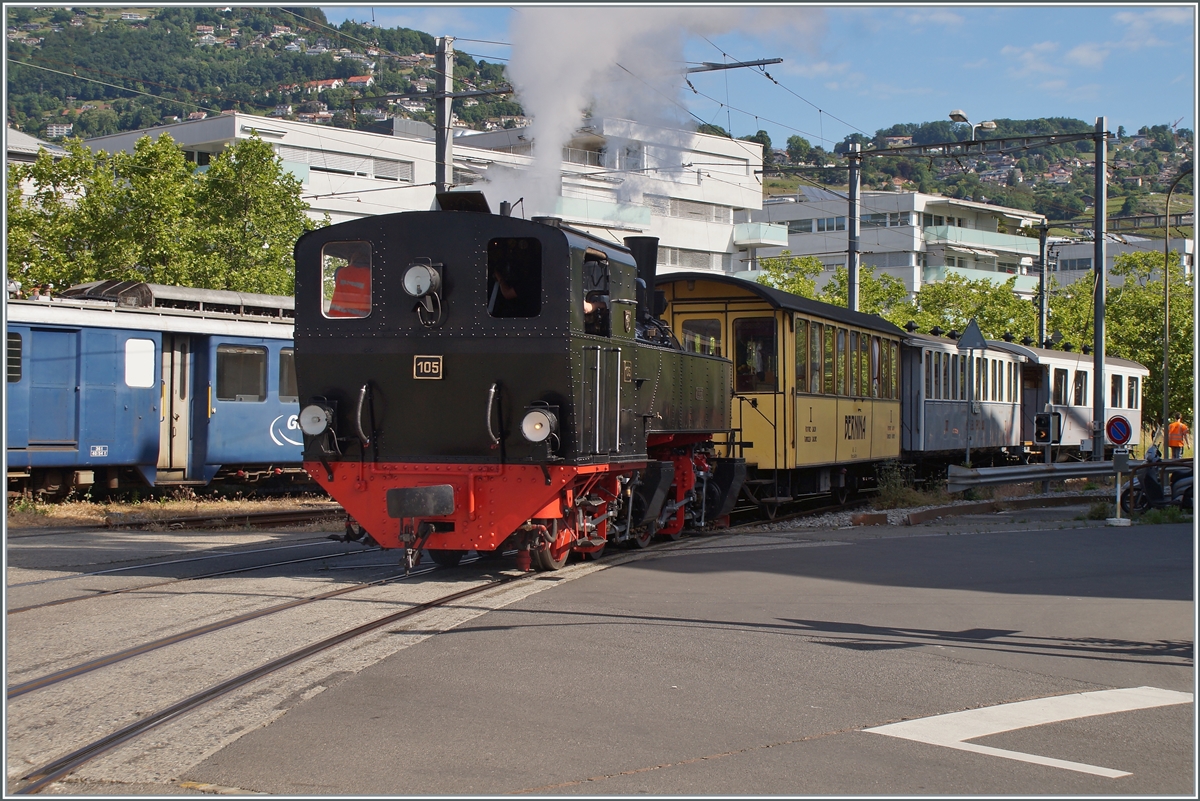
(952,303)
(150,216)
(1133,323)
(794,274)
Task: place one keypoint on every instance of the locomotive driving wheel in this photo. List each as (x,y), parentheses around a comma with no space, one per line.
(643,537)
(554,555)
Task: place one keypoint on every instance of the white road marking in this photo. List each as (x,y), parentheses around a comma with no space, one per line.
(954,729)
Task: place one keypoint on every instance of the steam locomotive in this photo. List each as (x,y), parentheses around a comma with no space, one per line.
(474,381)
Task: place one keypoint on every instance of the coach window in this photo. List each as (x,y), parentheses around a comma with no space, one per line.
(754,341)
(842,379)
(346,279)
(814,357)
(876,368)
(241,373)
(14,357)
(954,385)
(287,376)
(937,376)
(139,363)
(928,375)
(829,372)
(1133,392)
(514,280)
(864,364)
(801,354)
(1081,382)
(895,363)
(946,376)
(1060,387)
(854,362)
(702,336)
(980,378)
(1117,384)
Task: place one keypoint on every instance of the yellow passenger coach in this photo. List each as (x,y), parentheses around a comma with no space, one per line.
(816,394)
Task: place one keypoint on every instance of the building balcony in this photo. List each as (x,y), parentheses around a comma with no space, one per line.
(586,211)
(760,235)
(973,238)
(1026,285)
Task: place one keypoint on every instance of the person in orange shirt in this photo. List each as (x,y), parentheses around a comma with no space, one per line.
(1177,437)
(351,290)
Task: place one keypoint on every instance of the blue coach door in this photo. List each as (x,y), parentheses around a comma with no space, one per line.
(175,423)
(54,388)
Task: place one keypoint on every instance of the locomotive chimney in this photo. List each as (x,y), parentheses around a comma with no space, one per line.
(645,255)
(505,208)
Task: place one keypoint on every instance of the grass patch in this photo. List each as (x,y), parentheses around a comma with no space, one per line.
(28,513)
(1167,514)
(897,490)
(1101,511)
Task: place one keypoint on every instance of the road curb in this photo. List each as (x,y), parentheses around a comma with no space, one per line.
(984,507)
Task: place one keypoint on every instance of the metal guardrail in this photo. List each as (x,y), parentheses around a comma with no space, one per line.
(961,478)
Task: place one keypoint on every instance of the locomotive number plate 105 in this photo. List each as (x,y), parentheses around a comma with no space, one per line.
(427,366)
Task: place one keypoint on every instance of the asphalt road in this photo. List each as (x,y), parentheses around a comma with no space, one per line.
(731,670)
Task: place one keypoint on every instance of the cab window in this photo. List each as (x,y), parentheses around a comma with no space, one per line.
(754,341)
(514,279)
(346,279)
(702,336)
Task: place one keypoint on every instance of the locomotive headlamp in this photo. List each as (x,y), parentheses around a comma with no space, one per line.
(538,424)
(314,419)
(421,279)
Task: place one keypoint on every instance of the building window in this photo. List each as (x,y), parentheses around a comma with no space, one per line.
(139,363)
(346,279)
(702,336)
(14,357)
(514,279)
(1074,264)
(687,259)
(875,220)
(287,376)
(663,206)
(800,226)
(1081,380)
(1133,393)
(754,343)
(241,373)
(831,224)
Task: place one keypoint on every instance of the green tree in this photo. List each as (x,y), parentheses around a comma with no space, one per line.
(952,303)
(1133,324)
(764,139)
(794,274)
(252,215)
(881,294)
(797,149)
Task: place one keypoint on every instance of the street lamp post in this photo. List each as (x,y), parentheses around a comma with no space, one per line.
(958,116)
(1184,171)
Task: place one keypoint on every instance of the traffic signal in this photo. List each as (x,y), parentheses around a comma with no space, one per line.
(1047,428)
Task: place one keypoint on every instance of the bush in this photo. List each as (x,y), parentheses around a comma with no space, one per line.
(896,490)
(1100,511)
(1168,514)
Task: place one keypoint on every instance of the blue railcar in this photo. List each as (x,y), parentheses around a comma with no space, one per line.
(128,384)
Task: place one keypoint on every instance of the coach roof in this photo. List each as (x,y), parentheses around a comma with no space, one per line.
(789,302)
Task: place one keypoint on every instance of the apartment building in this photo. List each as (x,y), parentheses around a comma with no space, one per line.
(917,238)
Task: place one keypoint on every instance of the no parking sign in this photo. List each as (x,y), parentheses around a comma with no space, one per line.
(1118,429)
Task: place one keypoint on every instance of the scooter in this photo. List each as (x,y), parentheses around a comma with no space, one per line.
(1145,491)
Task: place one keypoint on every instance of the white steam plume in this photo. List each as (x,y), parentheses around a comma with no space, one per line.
(624,62)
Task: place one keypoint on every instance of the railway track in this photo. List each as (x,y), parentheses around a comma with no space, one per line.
(239,520)
(37,779)
(168,582)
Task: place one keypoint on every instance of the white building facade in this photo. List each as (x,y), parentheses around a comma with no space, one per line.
(618,178)
(915,237)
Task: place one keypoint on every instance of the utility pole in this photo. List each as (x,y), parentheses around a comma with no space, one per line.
(444,147)
(1101,269)
(1044,299)
(854,156)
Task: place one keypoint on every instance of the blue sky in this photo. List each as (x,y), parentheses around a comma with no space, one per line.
(860,68)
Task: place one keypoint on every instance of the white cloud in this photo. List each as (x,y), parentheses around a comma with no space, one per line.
(1031,60)
(922,17)
(1088,54)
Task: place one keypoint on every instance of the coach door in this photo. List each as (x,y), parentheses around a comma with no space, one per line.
(54,388)
(175,422)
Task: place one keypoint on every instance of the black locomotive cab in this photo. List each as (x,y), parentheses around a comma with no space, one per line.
(463,344)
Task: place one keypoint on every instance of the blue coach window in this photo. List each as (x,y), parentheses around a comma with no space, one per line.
(241,373)
(287,376)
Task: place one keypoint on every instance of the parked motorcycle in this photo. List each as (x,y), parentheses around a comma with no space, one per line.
(1145,490)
